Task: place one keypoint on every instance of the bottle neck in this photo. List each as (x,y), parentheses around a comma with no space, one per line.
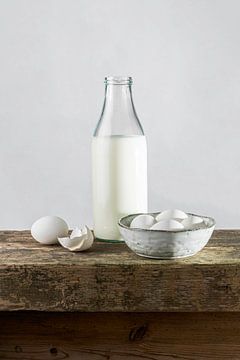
(118,115)
(118,100)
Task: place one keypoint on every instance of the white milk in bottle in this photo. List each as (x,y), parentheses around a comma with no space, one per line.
(119,161)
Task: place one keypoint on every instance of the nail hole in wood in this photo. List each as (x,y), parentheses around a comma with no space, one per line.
(137,333)
(18,349)
(53,351)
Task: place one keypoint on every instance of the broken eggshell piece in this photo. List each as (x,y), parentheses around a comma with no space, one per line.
(79,240)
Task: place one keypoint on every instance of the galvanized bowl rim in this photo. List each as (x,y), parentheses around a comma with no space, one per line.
(207,226)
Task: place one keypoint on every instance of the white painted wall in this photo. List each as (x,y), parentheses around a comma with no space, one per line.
(184,57)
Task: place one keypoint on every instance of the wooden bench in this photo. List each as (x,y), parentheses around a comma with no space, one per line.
(108,303)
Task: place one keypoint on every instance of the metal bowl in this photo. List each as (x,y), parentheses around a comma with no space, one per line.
(162,244)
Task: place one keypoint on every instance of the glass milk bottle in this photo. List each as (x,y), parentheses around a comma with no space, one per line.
(119,161)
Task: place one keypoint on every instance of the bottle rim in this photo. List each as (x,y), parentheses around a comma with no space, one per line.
(118,80)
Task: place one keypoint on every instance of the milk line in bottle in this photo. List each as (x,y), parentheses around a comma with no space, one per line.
(119,161)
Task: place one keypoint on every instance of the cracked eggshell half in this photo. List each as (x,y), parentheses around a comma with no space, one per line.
(79,240)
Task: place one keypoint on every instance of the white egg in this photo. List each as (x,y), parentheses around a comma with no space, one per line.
(142,222)
(191,221)
(171,214)
(48,229)
(168,225)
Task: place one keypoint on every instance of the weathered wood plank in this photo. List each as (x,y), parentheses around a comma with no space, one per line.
(116,336)
(110,277)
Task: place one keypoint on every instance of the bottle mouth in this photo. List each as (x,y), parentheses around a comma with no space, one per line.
(118,80)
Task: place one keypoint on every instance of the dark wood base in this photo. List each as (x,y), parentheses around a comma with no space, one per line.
(118,336)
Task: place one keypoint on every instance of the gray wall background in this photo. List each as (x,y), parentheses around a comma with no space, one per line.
(184,57)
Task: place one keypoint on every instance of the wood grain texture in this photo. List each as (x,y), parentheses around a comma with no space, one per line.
(110,277)
(119,336)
